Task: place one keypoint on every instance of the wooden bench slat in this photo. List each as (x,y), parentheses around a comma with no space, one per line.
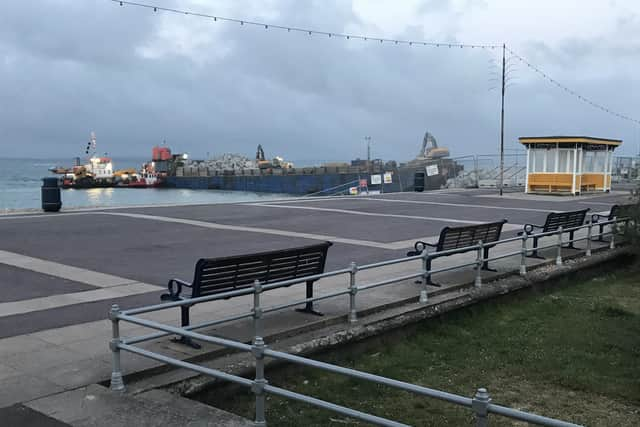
(553,222)
(217,275)
(461,238)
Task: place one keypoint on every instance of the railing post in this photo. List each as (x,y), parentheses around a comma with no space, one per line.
(353,290)
(117,384)
(559,254)
(589,236)
(479,261)
(523,256)
(425,276)
(613,227)
(257,349)
(480,406)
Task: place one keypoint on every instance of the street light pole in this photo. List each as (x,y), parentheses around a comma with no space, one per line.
(502,123)
(368,139)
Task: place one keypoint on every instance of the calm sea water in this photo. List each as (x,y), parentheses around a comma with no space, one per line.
(20,183)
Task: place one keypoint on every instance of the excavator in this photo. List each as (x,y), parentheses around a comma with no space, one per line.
(262,163)
(430,149)
(277,162)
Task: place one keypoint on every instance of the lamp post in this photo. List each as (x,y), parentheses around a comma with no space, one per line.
(368,139)
(502,123)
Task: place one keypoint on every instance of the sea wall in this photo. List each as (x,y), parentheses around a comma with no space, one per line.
(295,184)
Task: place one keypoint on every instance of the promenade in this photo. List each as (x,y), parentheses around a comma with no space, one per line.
(61,272)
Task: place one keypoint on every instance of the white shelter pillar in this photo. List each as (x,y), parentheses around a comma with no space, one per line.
(526,177)
(574,168)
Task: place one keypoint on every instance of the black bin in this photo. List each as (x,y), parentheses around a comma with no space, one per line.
(51,200)
(418,181)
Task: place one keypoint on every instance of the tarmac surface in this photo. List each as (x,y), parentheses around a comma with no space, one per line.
(61,272)
(151,245)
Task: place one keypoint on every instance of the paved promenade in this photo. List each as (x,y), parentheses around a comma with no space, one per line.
(61,272)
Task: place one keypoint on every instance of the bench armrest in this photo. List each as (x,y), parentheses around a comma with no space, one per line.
(175,295)
(420,246)
(528,228)
(596,217)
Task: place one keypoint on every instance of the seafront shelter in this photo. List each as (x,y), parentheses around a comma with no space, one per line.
(568,164)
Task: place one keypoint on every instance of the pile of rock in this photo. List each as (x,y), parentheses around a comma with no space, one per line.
(228,161)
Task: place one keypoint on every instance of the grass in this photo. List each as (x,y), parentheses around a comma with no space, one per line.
(571,353)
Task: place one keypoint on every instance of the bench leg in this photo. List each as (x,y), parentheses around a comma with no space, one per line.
(485,265)
(534,254)
(571,245)
(184,317)
(308,307)
(429,282)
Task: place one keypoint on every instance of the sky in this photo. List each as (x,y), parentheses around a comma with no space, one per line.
(137,77)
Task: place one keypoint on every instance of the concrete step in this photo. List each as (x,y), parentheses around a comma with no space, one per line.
(97,406)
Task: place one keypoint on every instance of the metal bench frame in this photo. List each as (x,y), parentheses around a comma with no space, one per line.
(461,237)
(554,221)
(217,275)
(617,211)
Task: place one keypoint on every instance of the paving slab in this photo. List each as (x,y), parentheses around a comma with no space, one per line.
(22,416)
(7,371)
(49,356)
(78,373)
(96,406)
(20,344)
(24,387)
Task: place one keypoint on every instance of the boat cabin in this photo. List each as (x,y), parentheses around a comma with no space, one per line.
(568,164)
(100,167)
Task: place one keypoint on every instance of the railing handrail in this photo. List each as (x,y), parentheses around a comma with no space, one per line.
(119,344)
(480,404)
(332,188)
(299,280)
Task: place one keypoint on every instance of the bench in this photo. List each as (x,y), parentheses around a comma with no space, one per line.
(617,211)
(460,238)
(219,275)
(554,221)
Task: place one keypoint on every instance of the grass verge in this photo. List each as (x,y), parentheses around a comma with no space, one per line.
(572,353)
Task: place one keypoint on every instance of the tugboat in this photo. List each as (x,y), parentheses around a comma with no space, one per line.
(96,173)
(151,174)
(129,178)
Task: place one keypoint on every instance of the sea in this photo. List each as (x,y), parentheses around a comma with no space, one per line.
(21,181)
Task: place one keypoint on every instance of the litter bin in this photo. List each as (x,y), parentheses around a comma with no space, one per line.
(51,200)
(418,181)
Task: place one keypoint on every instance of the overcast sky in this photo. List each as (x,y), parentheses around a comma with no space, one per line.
(136,78)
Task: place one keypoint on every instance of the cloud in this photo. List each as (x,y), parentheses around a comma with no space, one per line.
(137,77)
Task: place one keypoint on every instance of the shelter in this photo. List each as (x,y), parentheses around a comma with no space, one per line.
(568,164)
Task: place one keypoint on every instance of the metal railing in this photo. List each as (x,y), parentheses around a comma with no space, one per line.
(480,404)
(483,170)
(340,189)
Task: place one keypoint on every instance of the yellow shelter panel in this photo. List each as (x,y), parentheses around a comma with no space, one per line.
(550,182)
(593,181)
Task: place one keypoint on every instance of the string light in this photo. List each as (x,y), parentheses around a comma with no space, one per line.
(299,30)
(346,36)
(572,92)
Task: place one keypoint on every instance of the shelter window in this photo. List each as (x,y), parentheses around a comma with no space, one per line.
(565,161)
(588,163)
(599,161)
(537,160)
(551,161)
